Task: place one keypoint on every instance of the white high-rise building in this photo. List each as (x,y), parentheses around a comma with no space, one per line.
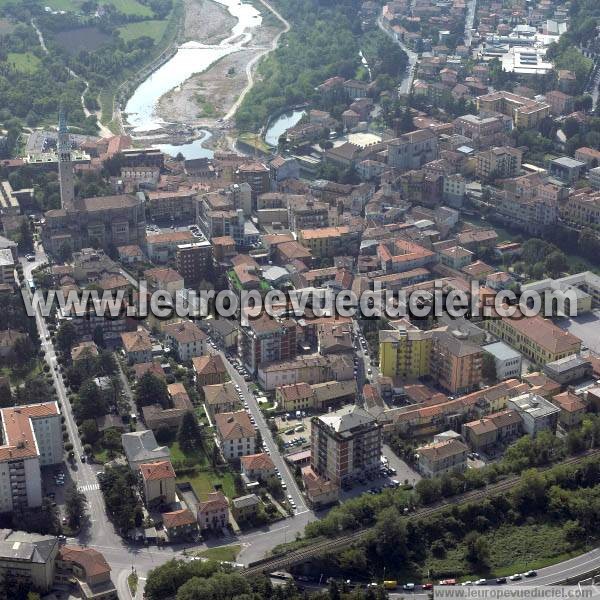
(32,438)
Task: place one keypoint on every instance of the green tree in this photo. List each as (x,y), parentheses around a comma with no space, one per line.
(66,337)
(189,433)
(477,550)
(151,389)
(556,263)
(75,505)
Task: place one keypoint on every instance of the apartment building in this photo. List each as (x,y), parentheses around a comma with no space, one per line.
(405,352)
(484,131)
(401,255)
(304,212)
(535,337)
(235,434)
(265,340)
(439,458)
(525,112)
(311,369)
(32,438)
(530,202)
(455,363)
(491,430)
(413,150)
(173,205)
(594,175)
(327,242)
(194,261)
(582,207)
(537,413)
(27,559)
(498,163)
(456,257)
(186,338)
(345,444)
(162,247)
(164,279)
(256,175)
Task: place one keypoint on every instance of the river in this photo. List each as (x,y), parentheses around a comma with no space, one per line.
(280,125)
(190,58)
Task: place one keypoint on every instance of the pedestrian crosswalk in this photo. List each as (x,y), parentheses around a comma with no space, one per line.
(90,487)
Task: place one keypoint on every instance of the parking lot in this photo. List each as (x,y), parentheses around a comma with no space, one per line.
(586,327)
(294,432)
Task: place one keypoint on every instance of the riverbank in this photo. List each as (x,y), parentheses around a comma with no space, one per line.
(206,21)
(210,95)
(213,94)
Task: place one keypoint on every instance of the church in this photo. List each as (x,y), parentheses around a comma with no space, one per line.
(102,221)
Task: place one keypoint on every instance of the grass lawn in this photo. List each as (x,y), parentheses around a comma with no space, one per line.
(130,7)
(68,5)
(153,29)
(25,62)
(254,140)
(227,553)
(132,580)
(177,454)
(204,482)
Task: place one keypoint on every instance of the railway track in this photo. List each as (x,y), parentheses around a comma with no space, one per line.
(287,560)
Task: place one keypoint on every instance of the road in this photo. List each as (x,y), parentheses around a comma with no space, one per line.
(267,436)
(407,81)
(469,20)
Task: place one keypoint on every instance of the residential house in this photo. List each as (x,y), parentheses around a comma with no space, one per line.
(235,434)
(257,466)
(137,346)
(180,524)
(572,409)
(209,370)
(186,338)
(439,458)
(245,508)
(158,479)
(213,513)
(220,398)
(491,430)
(141,447)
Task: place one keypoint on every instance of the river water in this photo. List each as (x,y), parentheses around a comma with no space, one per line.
(190,58)
(281,125)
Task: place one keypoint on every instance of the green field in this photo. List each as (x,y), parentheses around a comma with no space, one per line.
(130,7)
(67,5)
(25,62)
(153,29)
(227,553)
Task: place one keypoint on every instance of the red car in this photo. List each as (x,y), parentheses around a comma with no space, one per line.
(427,586)
(448,582)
